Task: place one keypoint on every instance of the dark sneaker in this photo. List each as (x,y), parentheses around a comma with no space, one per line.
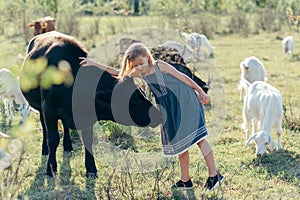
(183,185)
(213,182)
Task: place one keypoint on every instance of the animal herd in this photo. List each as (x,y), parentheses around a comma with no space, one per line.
(94,94)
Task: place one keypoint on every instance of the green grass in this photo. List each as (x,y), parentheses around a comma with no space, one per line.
(129,159)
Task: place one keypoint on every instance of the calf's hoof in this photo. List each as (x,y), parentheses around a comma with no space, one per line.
(92,175)
(68,152)
(50,175)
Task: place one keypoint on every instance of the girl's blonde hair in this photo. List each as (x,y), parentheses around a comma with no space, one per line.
(134,51)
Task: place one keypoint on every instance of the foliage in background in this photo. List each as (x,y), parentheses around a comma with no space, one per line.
(292,17)
(270,15)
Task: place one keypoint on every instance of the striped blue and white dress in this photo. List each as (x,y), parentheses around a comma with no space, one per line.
(183,114)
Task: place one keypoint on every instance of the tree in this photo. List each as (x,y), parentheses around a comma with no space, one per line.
(50,5)
(293,17)
(136,7)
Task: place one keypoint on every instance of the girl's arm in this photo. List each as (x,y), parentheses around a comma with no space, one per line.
(167,68)
(89,62)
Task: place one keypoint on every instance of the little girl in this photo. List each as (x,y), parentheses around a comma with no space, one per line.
(180,99)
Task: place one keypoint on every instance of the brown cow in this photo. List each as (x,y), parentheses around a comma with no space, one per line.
(43,25)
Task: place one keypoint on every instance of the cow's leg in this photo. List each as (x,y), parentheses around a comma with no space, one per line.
(67,143)
(52,139)
(87,138)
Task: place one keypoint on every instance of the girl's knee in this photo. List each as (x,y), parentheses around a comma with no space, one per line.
(201,142)
(183,154)
(205,147)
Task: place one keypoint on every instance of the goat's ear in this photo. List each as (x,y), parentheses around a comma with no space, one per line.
(271,141)
(250,139)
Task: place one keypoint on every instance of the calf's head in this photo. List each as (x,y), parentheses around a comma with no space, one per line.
(130,106)
(261,139)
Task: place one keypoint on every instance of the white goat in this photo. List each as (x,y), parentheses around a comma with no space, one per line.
(288,45)
(185,51)
(262,106)
(10,92)
(5,160)
(252,70)
(197,41)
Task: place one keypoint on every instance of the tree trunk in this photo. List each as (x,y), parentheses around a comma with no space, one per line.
(136,7)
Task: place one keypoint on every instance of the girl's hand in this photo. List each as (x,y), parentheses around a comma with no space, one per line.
(87,62)
(204,98)
(134,73)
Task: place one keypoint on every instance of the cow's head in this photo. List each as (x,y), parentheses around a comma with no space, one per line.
(130,106)
(42,25)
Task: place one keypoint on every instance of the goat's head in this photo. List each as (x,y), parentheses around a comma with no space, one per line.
(261,139)
(25,112)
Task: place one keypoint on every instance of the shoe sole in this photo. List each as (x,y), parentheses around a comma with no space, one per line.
(218,183)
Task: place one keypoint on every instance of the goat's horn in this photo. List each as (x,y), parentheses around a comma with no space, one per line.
(245,66)
(271,142)
(208,81)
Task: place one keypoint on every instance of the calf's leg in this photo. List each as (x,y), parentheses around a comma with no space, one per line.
(52,139)
(87,138)
(45,149)
(67,143)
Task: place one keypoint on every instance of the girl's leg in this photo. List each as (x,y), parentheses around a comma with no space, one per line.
(208,156)
(184,166)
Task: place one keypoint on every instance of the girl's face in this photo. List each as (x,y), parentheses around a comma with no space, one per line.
(140,66)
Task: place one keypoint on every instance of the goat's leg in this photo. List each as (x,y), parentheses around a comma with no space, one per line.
(241,94)
(254,126)
(279,132)
(10,104)
(246,124)
(6,107)
(87,138)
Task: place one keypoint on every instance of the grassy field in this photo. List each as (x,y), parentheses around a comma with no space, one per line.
(129,159)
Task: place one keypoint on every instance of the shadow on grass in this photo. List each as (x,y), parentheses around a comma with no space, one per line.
(60,187)
(183,194)
(295,57)
(123,140)
(190,194)
(282,164)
